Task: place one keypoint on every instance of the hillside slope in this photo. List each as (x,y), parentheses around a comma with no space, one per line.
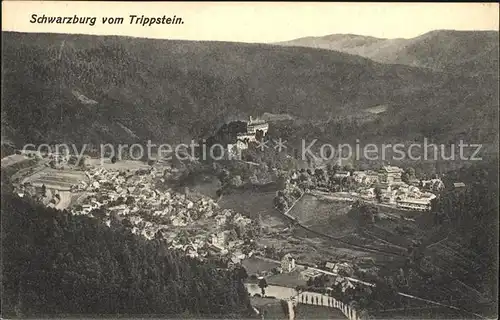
(470,52)
(95,89)
(58,264)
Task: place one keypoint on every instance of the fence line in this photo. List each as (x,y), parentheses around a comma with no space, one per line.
(314,298)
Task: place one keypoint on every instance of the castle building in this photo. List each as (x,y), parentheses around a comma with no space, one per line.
(253,125)
(257,124)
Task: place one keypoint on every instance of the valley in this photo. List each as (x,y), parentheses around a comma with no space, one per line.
(264,231)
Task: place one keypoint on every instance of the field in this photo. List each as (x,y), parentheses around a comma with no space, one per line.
(325,216)
(255,205)
(270,308)
(56,179)
(329,235)
(288,279)
(207,187)
(334,235)
(119,165)
(329,217)
(306,312)
(254,265)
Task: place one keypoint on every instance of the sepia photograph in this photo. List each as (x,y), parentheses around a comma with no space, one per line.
(249,160)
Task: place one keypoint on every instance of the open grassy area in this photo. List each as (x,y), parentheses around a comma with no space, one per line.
(269,307)
(255,264)
(287,279)
(255,205)
(272,309)
(324,216)
(306,312)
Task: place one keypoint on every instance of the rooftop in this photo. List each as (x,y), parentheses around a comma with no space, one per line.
(255,121)
(390,169)
(415,200)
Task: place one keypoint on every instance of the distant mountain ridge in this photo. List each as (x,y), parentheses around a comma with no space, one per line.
(468,52)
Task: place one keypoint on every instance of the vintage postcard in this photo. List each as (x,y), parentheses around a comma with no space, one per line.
(239,160)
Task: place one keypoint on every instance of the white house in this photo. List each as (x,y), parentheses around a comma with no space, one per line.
(287,263)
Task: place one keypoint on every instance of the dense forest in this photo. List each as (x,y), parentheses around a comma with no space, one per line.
(457,261)
(469,218)
(96,89)
(54,263)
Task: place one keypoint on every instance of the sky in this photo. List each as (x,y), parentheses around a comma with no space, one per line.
(264,22)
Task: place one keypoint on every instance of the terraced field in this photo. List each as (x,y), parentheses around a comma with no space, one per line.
(56,179)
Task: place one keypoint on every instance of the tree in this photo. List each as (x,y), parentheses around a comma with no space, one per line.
(263,285)
(280,203)
(284,307)
(321,175)
(348,167)
(236,181)
(408,175)
(332,170)
(82,163)
(240,273)
(378,194)
(347,183)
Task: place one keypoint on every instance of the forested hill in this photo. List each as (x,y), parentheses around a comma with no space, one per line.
(94,89)
(57,264)
(467,221)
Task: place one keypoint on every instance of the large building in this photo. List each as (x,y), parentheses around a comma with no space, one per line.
(253,125)
(257,124)
(422,204)
(390,174)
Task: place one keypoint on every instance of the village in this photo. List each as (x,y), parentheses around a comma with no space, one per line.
(137,195)
(384,186)
(192,223)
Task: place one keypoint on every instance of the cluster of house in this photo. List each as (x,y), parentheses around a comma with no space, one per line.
(414,195)
(342,271)
(133,195)
(47,196)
